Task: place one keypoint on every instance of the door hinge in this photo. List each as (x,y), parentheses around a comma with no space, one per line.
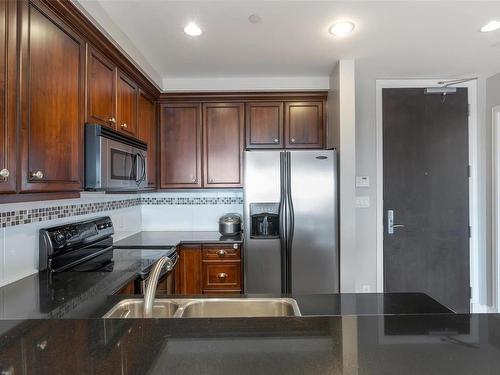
(468,110)
(468,171)
(470,292)
(470,231)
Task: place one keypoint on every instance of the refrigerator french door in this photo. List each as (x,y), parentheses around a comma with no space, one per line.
(290,208)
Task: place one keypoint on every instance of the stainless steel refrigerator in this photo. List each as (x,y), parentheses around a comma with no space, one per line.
(290,209)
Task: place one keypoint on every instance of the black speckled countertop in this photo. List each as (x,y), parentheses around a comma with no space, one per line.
(388,345)
(158,239)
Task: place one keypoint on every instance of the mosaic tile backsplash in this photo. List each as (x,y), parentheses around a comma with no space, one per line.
(10,218)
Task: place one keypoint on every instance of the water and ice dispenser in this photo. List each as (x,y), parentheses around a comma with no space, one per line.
(264,220)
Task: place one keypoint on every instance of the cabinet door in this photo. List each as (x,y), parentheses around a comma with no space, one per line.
(304,125)
(264,125)
(146,131)
(223,125)
(126,104)
(8,59)
(52,102)
(101,89)
(188,271)
(180,145)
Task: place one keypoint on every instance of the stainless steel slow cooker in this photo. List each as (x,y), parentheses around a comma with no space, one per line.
(230,224)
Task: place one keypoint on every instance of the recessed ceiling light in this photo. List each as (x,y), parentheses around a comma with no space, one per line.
(192,29)
(490,26)
(343,28)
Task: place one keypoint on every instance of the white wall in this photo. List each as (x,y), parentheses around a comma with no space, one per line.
(342,135)
(189,217)
(492,99)
(19,244)
(190,211)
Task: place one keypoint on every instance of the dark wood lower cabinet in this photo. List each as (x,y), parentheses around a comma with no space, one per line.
(188,272)
(209,269)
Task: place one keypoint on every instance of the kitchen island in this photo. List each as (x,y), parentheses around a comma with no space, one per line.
(383,344)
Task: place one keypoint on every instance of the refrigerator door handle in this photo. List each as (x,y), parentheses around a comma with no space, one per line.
(282,225)
(290,220)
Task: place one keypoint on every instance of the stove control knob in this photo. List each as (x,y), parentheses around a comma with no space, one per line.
(59,238)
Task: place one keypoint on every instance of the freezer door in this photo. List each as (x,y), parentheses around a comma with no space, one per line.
(262,257)
(314,249)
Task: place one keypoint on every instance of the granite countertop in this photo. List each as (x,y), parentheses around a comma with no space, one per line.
(389,345)
(73,294)
(158,239)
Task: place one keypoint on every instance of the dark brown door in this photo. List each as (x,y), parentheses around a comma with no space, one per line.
(101,90)
(304,125)
(426,186)
(8,63)
(188,272)
(52,103)
(147,133)
(264,125)
(223,125)
(126,99)
(180,145)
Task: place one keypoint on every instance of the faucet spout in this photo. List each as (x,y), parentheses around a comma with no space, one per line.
(152,283)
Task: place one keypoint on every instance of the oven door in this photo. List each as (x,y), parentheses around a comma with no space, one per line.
(123,167)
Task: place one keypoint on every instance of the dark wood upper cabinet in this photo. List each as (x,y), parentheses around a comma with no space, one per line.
(304,125)
(101,89)
(146,120)
(126,99)
(8,69)
(52,102)
(223,125)
(264,125)
(180,145)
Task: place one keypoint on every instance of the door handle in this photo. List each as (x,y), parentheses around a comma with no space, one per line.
(390,222)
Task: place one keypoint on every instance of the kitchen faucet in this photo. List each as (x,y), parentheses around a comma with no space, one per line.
(152,283)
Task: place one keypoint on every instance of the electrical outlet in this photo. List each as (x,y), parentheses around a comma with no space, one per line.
(366,288)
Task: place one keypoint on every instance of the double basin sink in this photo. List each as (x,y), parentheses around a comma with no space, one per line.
(207,308)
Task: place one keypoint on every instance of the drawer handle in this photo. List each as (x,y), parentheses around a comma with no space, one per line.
(222,275)
(36,175)
(221,253)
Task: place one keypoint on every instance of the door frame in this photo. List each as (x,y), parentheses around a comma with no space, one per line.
(495,161)
(473,180)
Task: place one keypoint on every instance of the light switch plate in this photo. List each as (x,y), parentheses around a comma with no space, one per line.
(362,202)
(362,181)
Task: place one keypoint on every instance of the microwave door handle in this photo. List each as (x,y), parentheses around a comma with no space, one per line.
(143,162)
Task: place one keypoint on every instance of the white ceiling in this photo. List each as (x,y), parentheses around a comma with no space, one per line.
(393,39)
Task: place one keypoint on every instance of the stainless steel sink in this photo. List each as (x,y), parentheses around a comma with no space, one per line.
(207,308)
(134,308)
(239,307)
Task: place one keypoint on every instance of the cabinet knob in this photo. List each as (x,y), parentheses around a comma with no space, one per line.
(221,253)
(235,246)
(276,140)
(124,126)
(193,179)
(112,120)
(293,140)
(4,173)
(37,175)
(211,180)
(42,345)
(222,275)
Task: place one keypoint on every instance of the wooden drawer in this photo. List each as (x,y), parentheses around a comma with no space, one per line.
(222,275)
(221,252)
